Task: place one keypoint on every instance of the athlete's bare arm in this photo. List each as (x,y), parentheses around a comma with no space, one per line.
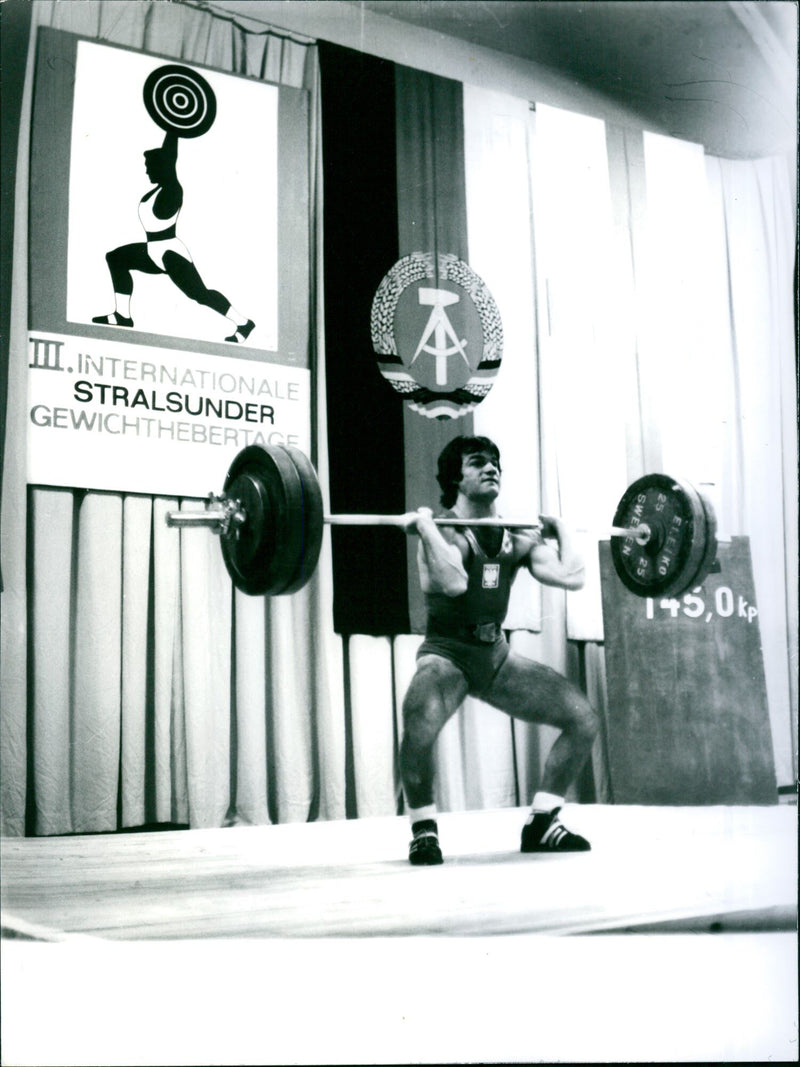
(553,558)
(440,556)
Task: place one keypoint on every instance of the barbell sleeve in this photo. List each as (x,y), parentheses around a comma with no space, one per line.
(221,513)
(211,518)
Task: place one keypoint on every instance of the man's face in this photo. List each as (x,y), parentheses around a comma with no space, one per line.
(480,476)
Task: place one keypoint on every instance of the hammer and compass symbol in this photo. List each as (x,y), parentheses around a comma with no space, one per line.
(446,342)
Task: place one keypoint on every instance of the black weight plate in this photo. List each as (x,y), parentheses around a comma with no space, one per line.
(286,498)
(247,549)
(699,543)
(262,555)
(180,100)
(667,565)
(710,554)
(313,520)
(252,539)
(289,521)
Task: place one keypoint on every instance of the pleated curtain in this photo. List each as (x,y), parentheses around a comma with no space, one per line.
(646,296)
(532,193)
(647,299)
(137,686)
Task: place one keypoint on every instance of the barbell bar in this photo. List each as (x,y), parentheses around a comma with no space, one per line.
(270,521)
(641,532)
(221,512)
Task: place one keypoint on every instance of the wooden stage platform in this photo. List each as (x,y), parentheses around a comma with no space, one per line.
(271,936)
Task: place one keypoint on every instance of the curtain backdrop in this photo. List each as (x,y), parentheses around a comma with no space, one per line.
(431,217)
(647,299)
(137,687)
(663,340)
(756,205)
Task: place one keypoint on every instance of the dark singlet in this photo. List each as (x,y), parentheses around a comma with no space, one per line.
(468,629)
(486,598)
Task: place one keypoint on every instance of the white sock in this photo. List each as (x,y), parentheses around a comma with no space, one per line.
(122,304)
(417,814)
(235,316)
(544,802)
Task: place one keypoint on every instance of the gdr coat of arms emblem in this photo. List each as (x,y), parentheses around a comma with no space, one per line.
(437,333)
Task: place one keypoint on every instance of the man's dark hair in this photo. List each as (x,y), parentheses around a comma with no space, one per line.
(450,463)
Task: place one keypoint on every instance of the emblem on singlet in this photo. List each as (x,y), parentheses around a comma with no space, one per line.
(439,345)
(491,576)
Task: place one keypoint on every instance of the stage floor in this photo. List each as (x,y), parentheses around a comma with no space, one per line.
(732,867)
(320,944)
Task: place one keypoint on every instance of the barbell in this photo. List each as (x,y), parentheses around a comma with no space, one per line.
(270,521)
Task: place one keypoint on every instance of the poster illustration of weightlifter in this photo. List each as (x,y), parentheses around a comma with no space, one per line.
(228,217)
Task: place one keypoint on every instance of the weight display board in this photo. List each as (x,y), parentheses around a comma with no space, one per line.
(687,720)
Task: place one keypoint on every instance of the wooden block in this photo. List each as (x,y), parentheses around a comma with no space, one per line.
(687,719)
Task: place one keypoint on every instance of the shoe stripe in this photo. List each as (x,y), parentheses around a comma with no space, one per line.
(555,835)
(554,830)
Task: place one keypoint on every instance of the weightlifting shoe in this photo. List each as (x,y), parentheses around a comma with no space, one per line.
(546,833)
(424,849)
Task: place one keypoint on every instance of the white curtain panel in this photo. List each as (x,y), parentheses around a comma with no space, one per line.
(587,348)
(499,231)
(760,489)
(717,283)
(373,725)
(662,340)
(478,752)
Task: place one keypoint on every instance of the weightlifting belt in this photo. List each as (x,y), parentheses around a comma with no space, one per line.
(484,633)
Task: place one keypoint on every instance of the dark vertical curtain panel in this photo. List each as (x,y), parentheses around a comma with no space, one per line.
(432,217)
(365,421)
(393,158)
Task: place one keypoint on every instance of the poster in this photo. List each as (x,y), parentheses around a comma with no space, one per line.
(169,289)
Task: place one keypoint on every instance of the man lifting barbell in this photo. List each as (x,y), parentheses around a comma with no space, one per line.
(466,575)
(270,520)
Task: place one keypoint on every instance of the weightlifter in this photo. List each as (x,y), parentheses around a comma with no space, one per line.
(466,575)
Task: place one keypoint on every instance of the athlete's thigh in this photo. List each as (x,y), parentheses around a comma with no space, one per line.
(534,692)
(436,690)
